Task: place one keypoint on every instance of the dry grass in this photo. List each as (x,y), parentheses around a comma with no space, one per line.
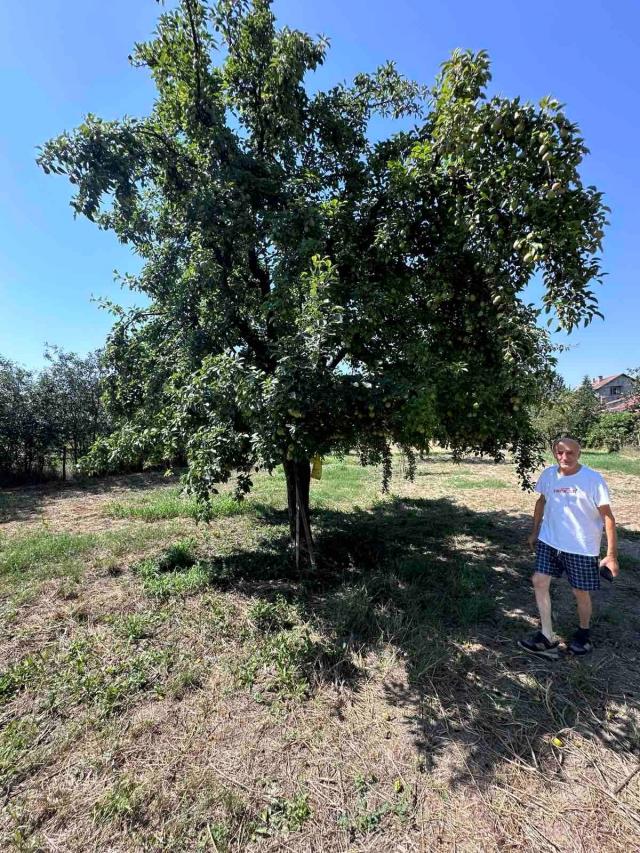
(180,688)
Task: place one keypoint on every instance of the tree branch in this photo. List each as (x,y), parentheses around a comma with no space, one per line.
(196,49)
(335,361)
(260,272)
(136,316)
(253,341)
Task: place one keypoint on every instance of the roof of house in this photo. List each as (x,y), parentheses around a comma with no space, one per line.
(600,383)
(628,404)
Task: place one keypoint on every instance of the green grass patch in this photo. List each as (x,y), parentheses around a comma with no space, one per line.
(281,664)
(283,816)
(104,672)
(460,481)
(344,482)
(22,674)
(16,739)
(179,571)
(175,572)
(106,679)
(401,600)
(134,626)
(44,554)
(38,555)
(8,503)
(453,595)
(269,616)
(164,585)
(600,460)
(123,802)
(171,503)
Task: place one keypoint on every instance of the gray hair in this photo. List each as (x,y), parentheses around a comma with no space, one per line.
(570,438)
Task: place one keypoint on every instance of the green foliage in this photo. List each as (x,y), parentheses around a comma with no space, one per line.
(566,412)
(281,664)
(122,802)
(460,482)
(613,430)
(586,408)
(283,816)
(365,817)
(313,290)
(50,416)
(269,616)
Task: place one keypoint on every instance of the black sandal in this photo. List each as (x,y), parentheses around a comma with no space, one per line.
(539,645)
(580,644)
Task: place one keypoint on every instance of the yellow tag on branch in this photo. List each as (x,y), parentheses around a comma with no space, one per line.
(316,467)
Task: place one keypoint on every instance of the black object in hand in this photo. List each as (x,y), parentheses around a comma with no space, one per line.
(605,572)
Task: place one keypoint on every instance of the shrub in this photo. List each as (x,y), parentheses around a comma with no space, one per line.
(613,430)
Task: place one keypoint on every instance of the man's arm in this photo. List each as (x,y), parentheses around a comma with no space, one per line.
(611,560)
(538,512)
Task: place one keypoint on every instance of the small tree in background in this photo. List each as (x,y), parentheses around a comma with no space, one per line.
(562,411)
(18,439)
(50,416)
(75,389)
(312,290)
(551,413)
(613,430)
(633,398)
(586,407)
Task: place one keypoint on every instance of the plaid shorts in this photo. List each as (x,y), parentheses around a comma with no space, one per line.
(582,571)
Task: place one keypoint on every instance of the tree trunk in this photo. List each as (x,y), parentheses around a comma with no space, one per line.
(300,471)
(64,463)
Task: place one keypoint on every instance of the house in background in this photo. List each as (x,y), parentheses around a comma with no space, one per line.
(615,392)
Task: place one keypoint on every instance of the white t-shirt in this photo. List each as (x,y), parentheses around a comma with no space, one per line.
(571,520)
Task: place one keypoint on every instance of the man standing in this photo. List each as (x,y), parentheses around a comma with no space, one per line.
(568,519)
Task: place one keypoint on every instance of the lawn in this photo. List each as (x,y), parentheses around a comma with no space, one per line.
(619,463)
(171,686)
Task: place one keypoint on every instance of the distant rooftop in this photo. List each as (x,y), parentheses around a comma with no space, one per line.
(601,381)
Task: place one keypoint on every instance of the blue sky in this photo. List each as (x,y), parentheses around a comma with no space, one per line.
(60,59)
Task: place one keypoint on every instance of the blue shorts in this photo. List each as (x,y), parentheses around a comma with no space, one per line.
(582,571)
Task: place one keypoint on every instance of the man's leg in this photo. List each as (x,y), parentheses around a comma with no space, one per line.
(542,642)
(541,584)
(583,601)
(583,575)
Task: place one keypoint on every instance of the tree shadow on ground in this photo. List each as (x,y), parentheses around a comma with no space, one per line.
(448,458)
(448,588)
